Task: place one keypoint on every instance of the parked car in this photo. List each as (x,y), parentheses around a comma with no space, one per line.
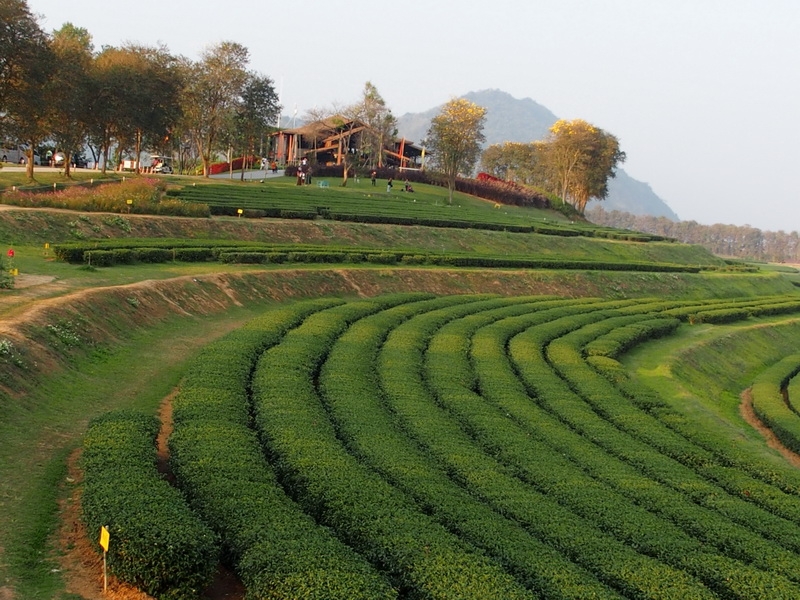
(161,164)
(77,160)
(23,160)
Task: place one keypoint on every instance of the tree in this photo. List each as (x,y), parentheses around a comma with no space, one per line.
(578,159)
(26,66)
(512,161)
(256,113)
(381,125)
(211,95)
(134,100)
(454,139)
(69,90)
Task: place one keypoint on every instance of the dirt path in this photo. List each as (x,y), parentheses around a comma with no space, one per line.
(749,415)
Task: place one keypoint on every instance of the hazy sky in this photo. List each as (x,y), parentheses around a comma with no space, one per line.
(702,94)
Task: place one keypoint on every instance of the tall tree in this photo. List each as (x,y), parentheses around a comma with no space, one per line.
(69,121)
(348,122)
(578,160)
(454,139)
(256,114)
(212,92)
(26,67)
(134,99)
(381,125)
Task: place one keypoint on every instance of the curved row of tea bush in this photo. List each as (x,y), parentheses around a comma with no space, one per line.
(350,391)
(472,446)
(546,465)
(156,542)
(277,550)
(374,517)
(772,407)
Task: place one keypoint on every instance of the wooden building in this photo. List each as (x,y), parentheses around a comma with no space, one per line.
(325,142)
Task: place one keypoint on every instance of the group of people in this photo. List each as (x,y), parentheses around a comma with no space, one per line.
(373,176)
(273,166)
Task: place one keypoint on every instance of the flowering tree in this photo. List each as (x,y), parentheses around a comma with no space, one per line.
(578,159)
(454,139)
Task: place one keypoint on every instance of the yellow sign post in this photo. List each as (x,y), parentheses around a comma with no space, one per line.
(240,211)
(104,539)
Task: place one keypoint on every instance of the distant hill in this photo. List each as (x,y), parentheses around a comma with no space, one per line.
(510,119)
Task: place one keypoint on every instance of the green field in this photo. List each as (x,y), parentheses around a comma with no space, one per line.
(408,431)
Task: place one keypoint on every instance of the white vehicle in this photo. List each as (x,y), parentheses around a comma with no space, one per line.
(161,164)
(12,154)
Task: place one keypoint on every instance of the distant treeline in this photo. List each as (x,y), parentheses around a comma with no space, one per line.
(735,241)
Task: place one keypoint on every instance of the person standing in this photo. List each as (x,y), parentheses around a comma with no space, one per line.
(389,185)
(373,176)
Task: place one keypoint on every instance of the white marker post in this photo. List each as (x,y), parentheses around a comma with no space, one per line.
(104,538)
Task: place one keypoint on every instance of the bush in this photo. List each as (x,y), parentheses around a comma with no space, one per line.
(139,195)
(6,279)
(156,543)
(152,255)
(193,254)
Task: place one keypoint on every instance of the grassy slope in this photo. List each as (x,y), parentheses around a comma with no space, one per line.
(702,370)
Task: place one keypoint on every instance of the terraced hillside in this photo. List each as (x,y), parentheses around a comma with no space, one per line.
(475,447)
(398,430)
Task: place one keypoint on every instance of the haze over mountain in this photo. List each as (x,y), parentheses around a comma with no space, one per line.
(509,119)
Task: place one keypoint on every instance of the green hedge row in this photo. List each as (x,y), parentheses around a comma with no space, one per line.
(258,202)
(260,255)
(350,389)
(770,405)
(621,339)
(156,542)
(532,503)
(651,445)
(558,398)
(277,550)
(738,530)
(374,517)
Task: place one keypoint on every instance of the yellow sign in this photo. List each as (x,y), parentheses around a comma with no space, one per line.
(239,210)
(129,201)
(104,538)
(46,245)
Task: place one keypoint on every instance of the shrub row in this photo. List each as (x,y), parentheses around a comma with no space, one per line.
(621,339)
(772,407)
(277,550)
(374,517)
(135,195)
(224,252)
(156,542)
(656,449)
(259,202)
(736,538)
(350,389)
(531,503)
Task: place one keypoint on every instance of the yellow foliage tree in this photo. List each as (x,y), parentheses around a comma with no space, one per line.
(454,139)
(578,160)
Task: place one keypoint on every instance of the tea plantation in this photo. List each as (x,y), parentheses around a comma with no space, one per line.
(524,407)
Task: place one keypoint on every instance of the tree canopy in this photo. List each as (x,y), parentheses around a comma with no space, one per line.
(575,162)
(454,139)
